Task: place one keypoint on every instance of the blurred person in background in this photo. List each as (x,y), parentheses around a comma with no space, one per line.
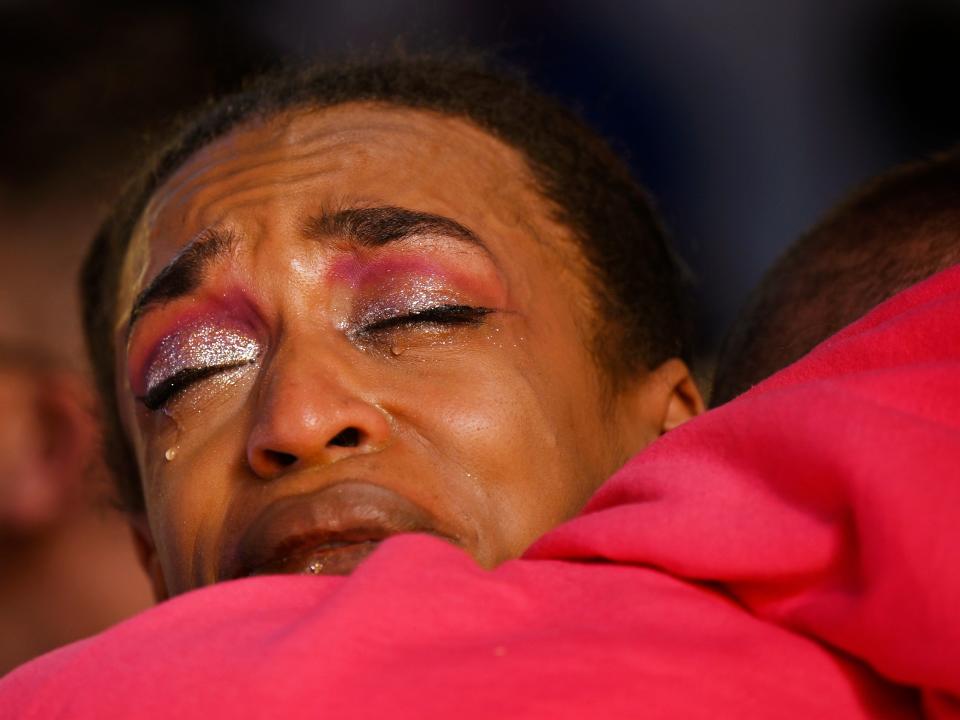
(67,566)
(86,85)
(892,232)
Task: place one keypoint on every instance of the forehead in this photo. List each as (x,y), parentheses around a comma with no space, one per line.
(352,154)
(379,145)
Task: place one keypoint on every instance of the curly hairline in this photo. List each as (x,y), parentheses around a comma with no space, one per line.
(647,302)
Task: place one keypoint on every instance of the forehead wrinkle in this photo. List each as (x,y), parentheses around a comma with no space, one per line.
(195,195)
(296,135)
(309,133)
(234,185)
(305,133)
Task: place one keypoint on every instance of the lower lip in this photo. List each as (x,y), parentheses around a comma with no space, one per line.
(324,560)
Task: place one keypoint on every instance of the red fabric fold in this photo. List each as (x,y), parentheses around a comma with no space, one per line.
(827,499)
(419,631)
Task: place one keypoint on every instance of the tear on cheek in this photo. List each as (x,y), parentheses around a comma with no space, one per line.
(188,425)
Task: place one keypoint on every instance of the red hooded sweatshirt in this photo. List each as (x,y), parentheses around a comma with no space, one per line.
(792,554)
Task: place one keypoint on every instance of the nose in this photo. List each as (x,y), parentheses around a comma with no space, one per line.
(311,413)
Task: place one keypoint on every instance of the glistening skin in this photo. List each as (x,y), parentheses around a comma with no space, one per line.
(356,322)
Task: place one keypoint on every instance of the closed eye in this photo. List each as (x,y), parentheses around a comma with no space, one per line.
(165,390)
(438,315)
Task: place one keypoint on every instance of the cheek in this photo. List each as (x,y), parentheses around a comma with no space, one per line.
(187,498)
(212,408)
(510,443)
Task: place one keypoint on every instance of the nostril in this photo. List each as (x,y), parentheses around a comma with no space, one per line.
(348,437)
(280,459)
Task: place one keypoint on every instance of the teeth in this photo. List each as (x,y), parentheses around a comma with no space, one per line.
(315,567)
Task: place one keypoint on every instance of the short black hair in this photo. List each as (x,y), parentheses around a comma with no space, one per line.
(640,286)
(893,232)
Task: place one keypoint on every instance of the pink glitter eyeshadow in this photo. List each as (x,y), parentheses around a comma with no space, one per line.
(200,347)
(421,294)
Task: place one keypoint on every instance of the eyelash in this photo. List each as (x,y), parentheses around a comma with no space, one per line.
(439,315)
(166,390)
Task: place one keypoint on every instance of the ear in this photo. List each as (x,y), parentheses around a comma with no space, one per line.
(147,555)
(656,402)
(47,440)
(683,399)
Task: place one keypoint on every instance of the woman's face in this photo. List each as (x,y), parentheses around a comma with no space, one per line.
(344,324)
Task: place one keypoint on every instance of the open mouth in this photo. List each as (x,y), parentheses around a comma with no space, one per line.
(335,557)
(326,532)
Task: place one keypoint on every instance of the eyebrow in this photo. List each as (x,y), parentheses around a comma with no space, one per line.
(378,226)
(367,227)
(183,274)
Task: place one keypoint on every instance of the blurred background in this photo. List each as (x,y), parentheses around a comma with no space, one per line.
(746,119)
